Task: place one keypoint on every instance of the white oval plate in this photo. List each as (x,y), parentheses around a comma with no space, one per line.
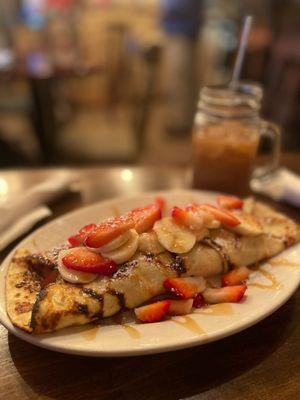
(113,340)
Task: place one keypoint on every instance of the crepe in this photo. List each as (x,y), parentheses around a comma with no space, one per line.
(39,307)
(22,287)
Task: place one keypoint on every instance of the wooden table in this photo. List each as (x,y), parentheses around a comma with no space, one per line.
(261,362)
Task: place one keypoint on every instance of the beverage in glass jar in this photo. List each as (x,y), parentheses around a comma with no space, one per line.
(226,138)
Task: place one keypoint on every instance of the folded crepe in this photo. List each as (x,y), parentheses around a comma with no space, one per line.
(39,300)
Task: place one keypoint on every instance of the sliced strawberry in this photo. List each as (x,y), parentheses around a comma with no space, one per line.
(108,230)
(145,217)
(161,202)
(74,240)
(199,301)
(185,288)
(230,202)
(180,216)
(180,307)
(189,217)
(142,219)
(192,207)
(82,259)
(199,218)
(153,312)
(222,215)
(79,238)
(228,294)
(235,276)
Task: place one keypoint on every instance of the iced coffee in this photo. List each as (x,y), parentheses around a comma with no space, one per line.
(224,155)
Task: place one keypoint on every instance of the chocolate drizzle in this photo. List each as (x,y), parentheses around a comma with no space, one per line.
(120,296)
(35,308)
(96,296)
(177,264)
(226,262)
(92,293)
(125,269)
(82,308)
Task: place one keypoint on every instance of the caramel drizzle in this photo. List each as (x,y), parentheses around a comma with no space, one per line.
(115,211)
(221,309)
(90,333)
(190,324)
(283,262)
(224,257)
(275,285)
(129,329)
(132,332)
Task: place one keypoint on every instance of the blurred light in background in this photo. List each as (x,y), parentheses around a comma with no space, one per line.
(126,175)
(3,187)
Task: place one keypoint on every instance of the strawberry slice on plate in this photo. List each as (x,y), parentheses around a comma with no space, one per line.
(186,288)
(180,307)
(228,294)
(108,230)
(153,312)
(235,276)
(84,260)
(230,202)
(145,217)
(222,215)
(79,238)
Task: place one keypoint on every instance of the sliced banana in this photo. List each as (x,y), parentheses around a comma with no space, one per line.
(174,238)
(214,224)
(201,233)
(115,243)
(148,243)
(209,221)
(203,219)
(71,275)
(126,251)
(249,226)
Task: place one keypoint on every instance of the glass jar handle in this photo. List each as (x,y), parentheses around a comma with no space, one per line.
(272,132)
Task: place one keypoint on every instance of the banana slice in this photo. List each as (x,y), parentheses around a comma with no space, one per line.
(201,233)
(115,243)
(248,226)
(126,251)
(148,243)
(208,220)
(174,238)
(71,275)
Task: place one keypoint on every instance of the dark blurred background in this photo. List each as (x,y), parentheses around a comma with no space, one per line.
(116,81)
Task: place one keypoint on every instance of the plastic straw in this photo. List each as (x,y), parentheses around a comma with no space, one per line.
(241,51)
